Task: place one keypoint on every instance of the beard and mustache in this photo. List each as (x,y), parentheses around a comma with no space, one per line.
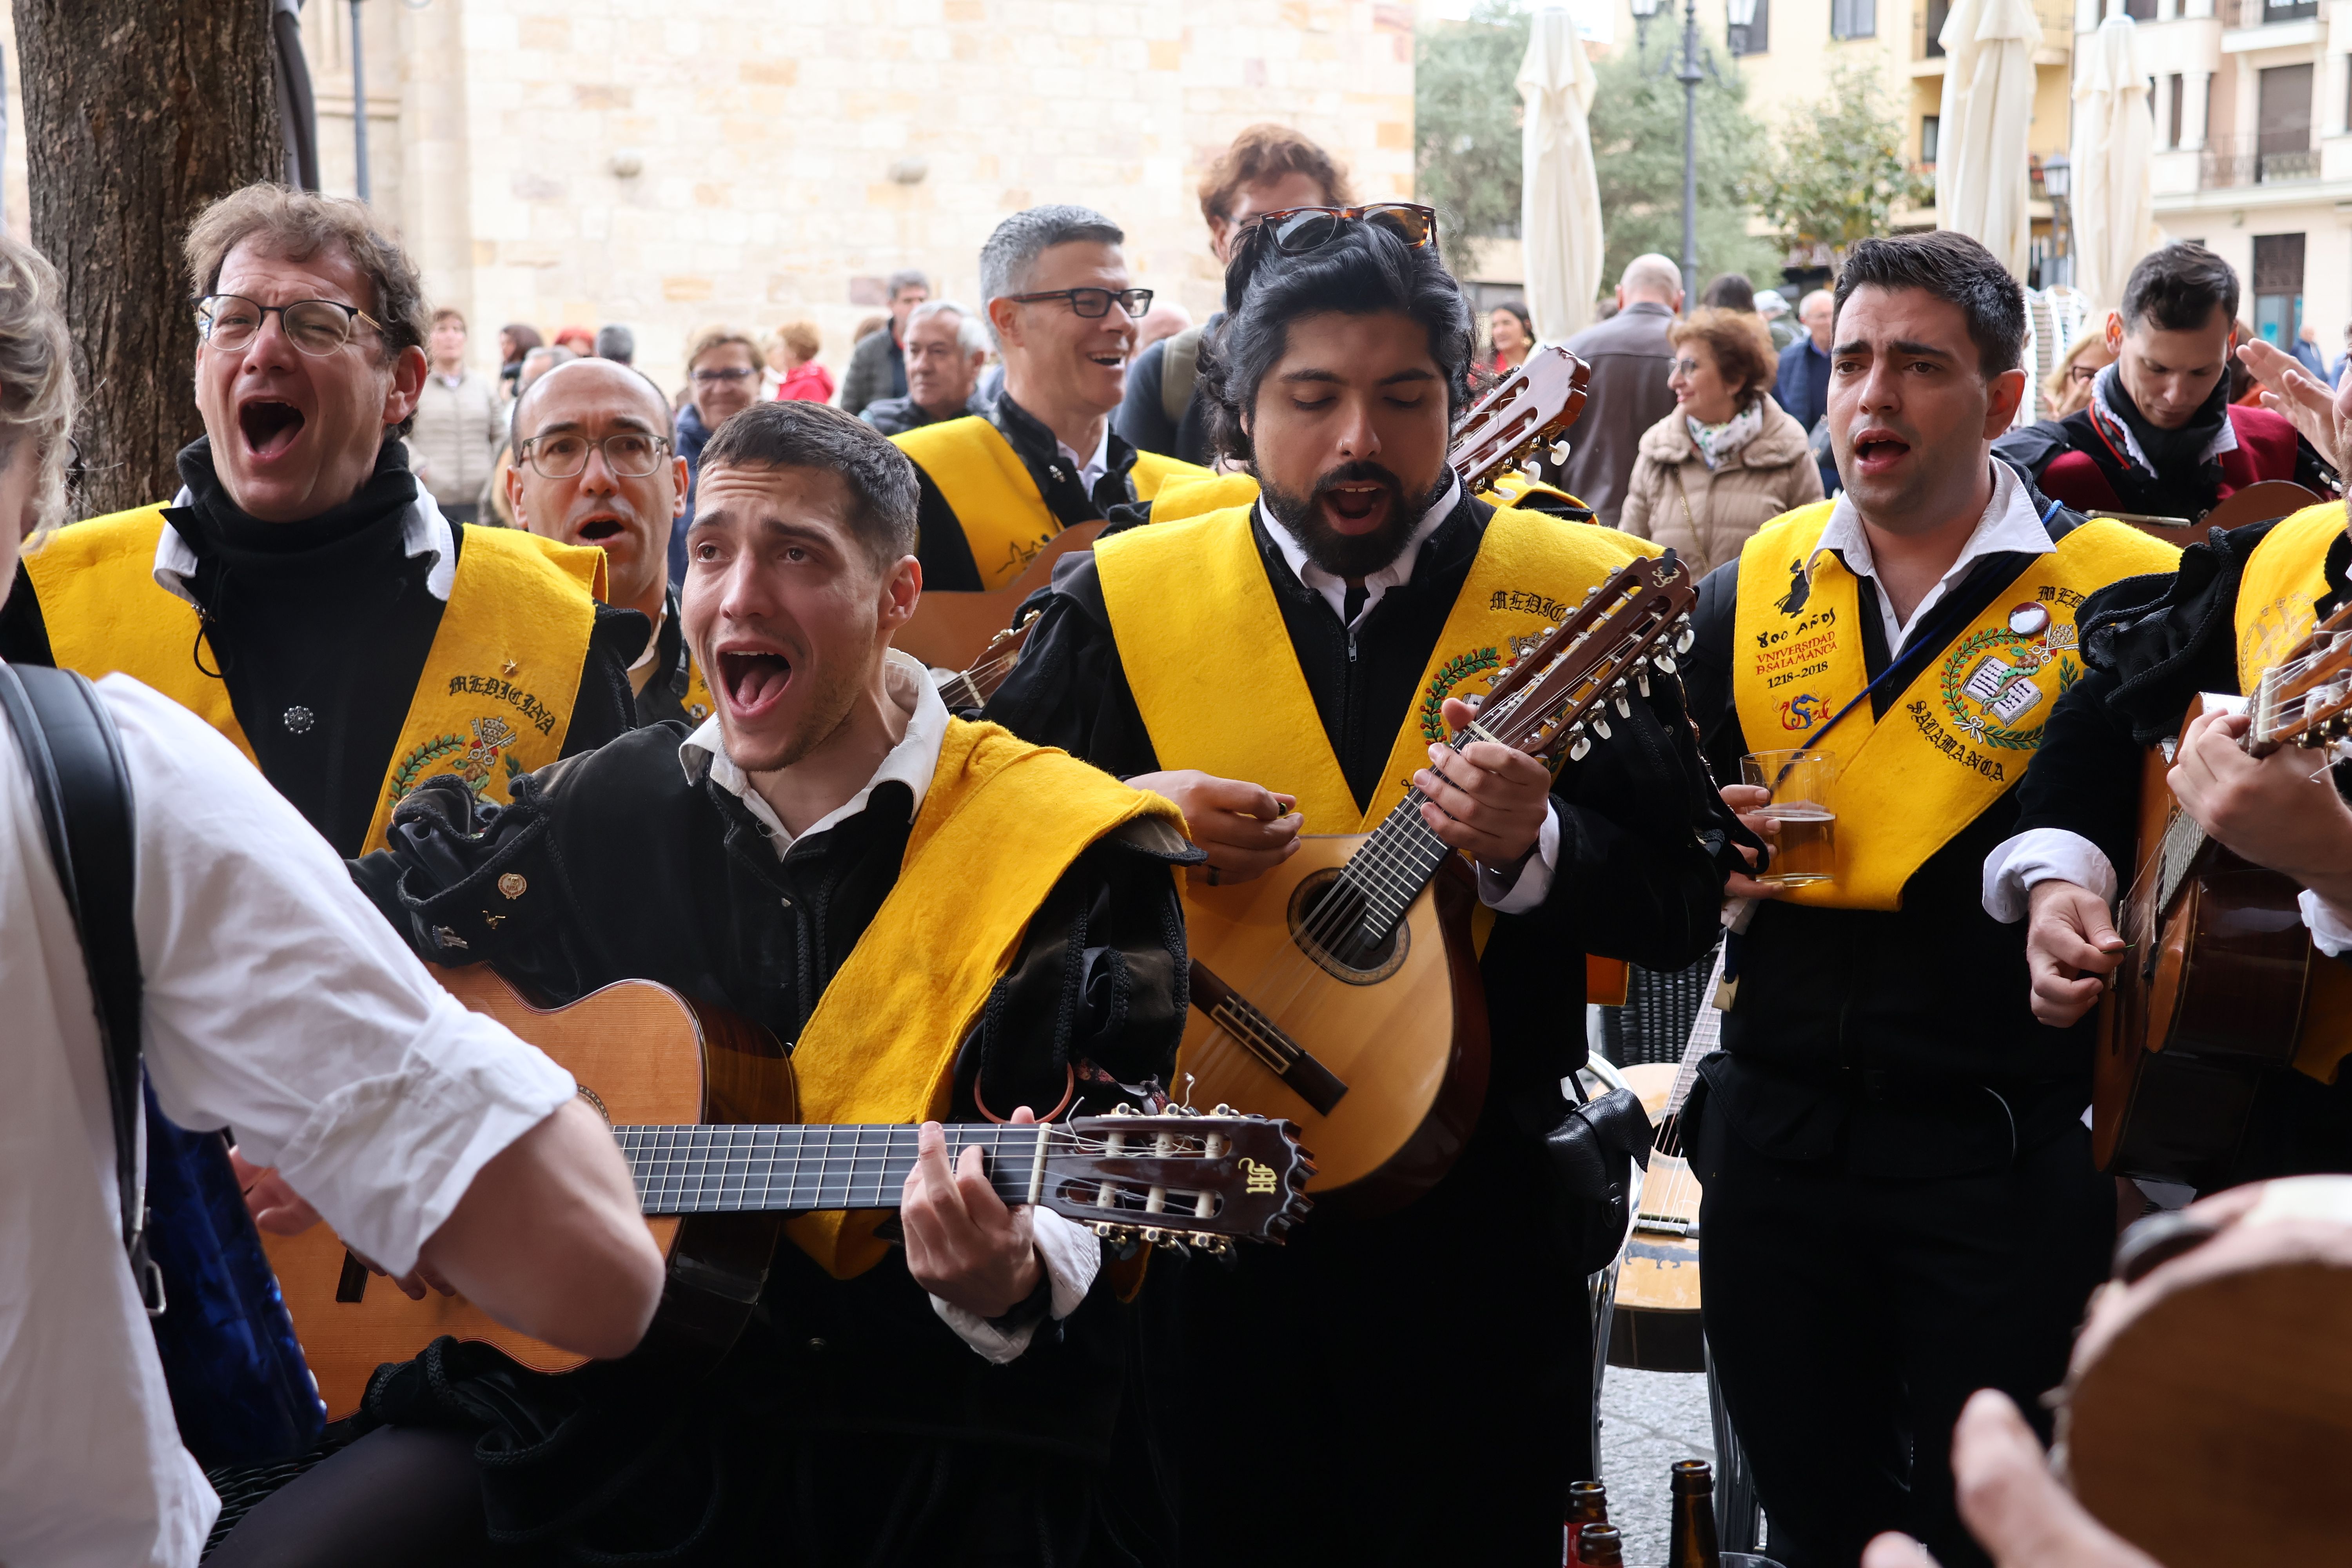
(1353,556)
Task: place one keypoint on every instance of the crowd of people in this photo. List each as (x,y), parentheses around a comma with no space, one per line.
(590,680)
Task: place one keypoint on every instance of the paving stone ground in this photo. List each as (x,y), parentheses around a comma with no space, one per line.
(1649,1420)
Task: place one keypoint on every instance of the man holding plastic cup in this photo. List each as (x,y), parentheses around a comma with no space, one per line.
(1900,1208)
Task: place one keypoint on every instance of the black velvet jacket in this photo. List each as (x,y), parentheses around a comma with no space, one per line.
(632,869)
(946,555)
(663,700)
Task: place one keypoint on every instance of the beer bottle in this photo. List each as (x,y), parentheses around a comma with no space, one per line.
(1587,1503)
(1601,1546)
(1692,1544)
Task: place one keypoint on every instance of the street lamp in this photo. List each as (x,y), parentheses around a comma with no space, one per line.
(2057,181)
(358,105)
(1692,69)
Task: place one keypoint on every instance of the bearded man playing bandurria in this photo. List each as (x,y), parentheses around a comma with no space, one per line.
(1323,618)
(956,1399)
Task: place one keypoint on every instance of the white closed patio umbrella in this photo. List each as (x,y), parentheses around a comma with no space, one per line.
(1982,176)
(2114,210)
(1559,194)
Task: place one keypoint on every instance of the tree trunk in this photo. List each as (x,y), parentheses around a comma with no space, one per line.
(137,114)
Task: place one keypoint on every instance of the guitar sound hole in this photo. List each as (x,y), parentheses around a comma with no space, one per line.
(1327,921)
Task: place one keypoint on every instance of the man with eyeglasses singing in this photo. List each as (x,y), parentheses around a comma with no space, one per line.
(593,468)
(997,487)
(302,593)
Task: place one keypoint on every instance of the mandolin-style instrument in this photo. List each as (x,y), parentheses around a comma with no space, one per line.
(2258,502)
(953,630)
(702,1105)
(1340,990)
(2219,988)
(1655,1327)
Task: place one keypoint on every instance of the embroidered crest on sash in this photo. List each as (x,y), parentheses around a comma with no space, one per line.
(1993,679)
(475,760)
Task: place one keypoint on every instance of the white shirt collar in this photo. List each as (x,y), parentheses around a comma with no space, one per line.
(1091,469)
(653,643)
(2009,524)
(423,532)
(911,762)
(1395,574)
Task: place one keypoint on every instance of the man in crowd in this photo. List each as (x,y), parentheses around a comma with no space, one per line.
(594,469)
(302,594)
(1267,168)
(722,374)
(1773,306)
(617,343)
(2161,436)
(997,486)
(534,363)
(946,347)
(1803,387)
(878,364)
(1881,1081)
(455,432)
(956,1399)
(2239,604)
(1361,572)
(1631,360)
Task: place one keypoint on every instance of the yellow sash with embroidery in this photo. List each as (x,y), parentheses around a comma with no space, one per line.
(495,697)
(984,481)
(1963,730)
(1001,823)
(2285,578)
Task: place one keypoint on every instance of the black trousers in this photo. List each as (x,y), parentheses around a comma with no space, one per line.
(1850,1318)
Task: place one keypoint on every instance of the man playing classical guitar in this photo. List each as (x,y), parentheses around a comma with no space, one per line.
(825,856)
(1043,457)
(2238,605)
(1900,1206)
(1435,1350)
(303,596)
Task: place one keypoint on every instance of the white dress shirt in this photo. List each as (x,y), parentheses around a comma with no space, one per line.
(1072,1256)
(2009,522)
(1533,883)
(1089,471)
(278,1002)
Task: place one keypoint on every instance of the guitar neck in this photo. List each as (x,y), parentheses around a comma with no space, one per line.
(778,1167)
(1706,1039)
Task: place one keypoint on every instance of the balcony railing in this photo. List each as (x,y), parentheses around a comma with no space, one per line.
(2262,13)
(2230,161)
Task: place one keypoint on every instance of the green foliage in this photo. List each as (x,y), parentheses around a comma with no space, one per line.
(1466,120)
(1637,146)
(1836,172)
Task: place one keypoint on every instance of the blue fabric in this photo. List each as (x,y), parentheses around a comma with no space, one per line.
(692,433)
(1803,389)
(2308,356)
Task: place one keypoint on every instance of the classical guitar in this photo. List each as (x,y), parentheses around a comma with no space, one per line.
(971,638)
(1655,1327)
(2258,502)
(703,1107)
(2219,988)
(1340,990)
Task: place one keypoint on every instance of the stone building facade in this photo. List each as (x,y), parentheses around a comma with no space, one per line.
(668,164)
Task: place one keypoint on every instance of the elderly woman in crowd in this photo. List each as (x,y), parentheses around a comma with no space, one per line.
(1728,459)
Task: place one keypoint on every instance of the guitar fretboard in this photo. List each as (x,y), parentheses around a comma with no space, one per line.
(767,1167)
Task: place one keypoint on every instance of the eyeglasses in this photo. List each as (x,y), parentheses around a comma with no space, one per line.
(713,378)
(317,326)
(1294,231)
(631,454)
(2082,372)
(1092,303)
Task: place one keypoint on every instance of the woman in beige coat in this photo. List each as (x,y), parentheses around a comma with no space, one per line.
(1728,460)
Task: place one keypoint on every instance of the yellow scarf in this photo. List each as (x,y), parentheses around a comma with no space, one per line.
(1001,824)
(495,697)
(2284,580)
(1959,735)
(985,484)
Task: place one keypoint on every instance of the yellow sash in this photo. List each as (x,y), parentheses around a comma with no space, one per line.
(698,691)
(985,484)
(1001,823)
(2284,580)
(1961,733)
(495,697)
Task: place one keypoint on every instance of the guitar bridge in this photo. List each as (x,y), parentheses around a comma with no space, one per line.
(1260,1035)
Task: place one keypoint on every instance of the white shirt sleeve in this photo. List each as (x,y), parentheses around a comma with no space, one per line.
(281,1003)
(2331,930)
(2042,855)
(1534,882)
(1072,1256)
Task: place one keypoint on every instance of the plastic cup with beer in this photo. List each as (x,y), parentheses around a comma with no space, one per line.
(1804,837)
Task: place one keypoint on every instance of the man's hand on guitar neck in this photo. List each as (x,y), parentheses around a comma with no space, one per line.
(2071,949)
(964,1245)
(1486,800)
(2280,812)
(1247,830)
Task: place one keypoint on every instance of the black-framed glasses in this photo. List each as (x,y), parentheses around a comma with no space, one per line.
(1294,231)
(630,454)
(1092,303)
(317,326)
(728,372)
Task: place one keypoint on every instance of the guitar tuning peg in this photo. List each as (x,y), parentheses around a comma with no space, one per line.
(1560,452)
(1624,707)
(1688,636)
(1576,751)
(1601,726)
(1665,663)
(1532,470)
(1641,679)
(1589,592)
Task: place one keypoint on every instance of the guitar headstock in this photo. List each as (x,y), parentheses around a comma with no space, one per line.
(2305,699)
(1182,1178)
(1525,410)
(1635,622)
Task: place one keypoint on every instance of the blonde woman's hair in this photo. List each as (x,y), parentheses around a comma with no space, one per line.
(37,381)
(2054,385)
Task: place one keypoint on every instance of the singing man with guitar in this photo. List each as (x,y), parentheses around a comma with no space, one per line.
(2239,604)
(1292,667)
(831,855)
(1900,1206)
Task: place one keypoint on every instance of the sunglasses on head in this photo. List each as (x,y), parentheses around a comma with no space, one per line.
(1294,231)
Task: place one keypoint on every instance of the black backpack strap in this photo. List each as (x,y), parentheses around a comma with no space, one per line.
(75,757)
